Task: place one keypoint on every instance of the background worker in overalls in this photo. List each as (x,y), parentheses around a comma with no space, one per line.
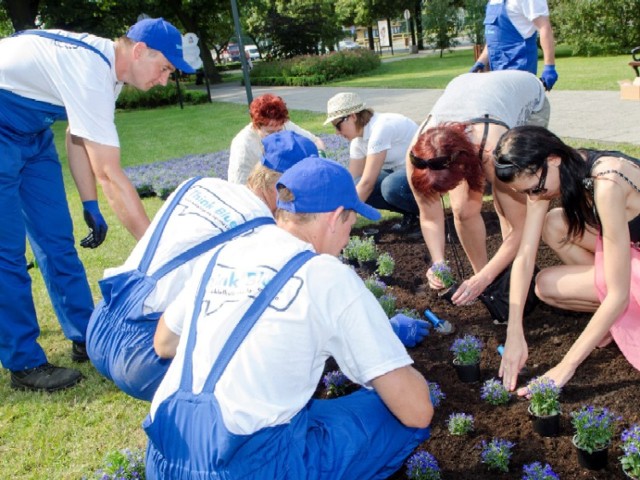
(251,333)
(49,75)
(511,32)
(199,215)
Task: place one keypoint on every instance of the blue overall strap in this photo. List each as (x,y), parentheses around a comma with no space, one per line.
(246,323)
(210,243)
(62,38)
(157,234)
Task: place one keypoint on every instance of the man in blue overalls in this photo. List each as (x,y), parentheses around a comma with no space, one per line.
(251,332)
(511,31)
(49,75)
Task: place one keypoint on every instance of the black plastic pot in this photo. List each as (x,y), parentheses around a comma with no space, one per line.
(447,293)
(368,267)
(545,425)
(596,460)
(372,232)
(467,373)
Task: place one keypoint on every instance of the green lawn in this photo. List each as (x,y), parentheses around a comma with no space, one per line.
(66,435)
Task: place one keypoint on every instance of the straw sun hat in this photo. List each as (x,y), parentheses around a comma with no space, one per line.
(343,104)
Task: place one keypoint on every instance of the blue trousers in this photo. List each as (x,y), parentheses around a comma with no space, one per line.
(392,192)
(33,203)
(352,437)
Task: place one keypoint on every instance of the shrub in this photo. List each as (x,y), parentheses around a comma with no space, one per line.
(307,70)
(132,98)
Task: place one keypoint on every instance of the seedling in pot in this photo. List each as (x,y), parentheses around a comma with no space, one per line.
(441,326)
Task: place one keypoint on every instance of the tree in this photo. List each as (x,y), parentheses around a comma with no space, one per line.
(474,12)
(442,24)
(21,13)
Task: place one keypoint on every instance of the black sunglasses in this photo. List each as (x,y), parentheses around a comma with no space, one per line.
(339,124)
(540,188)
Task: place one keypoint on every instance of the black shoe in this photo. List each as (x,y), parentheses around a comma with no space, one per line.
(45,378)
(409,224)
(79,352)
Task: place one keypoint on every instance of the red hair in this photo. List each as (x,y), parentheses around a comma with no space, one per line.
(268,108)
(455,158)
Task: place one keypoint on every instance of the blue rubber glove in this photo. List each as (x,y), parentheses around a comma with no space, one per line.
(477,67)
(409,330)
(549,77)
(96,223)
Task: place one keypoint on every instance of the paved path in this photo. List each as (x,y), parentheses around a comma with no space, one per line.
(594,115)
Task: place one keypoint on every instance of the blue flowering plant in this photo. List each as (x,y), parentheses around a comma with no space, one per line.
(537,471)
(460,423)
(121,465)
(442,271)
(366,250)
(350,251)
(466,350)
(496,454)
(630,459)
(594,426)
(375,285)
(388,304)
(336,383)
(436,394)
(545,397)
(494,393)
(423,466)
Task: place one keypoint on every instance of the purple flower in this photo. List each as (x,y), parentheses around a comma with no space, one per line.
(497,453)
(442,271)
(423,466)
(437,395)
(630,460)
(335,382)
(535,471)
(460,423)
(544,396)
(494,392)
(594,426)
(466,350)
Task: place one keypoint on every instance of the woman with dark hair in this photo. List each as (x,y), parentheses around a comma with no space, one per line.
(452,153)
(596,234)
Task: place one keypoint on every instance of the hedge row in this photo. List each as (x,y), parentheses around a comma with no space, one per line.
(308,70)
(131,98)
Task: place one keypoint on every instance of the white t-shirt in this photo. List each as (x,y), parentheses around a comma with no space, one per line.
(385,131)
(247,150)
(522,13)
(323,310)
(209,207)
(66,75)
(507,95)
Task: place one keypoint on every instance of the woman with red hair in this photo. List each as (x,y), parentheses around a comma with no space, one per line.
(453,153)
(269,114)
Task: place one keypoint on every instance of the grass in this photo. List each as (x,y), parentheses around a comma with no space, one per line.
(66,435)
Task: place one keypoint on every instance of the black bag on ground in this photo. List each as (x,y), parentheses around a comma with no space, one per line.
(496,296)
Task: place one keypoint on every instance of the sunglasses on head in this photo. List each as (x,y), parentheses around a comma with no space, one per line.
(436,163)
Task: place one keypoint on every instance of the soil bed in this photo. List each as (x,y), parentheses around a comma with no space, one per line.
(604,379)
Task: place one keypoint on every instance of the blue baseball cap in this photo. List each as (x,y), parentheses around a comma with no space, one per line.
(160,35)
(284,149)
(322,185)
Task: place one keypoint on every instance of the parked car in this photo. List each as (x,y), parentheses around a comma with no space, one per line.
(232,52)
(348,45)
(252,50)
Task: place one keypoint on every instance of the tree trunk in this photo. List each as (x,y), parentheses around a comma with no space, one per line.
(370,34)
(417,14)
(22,13)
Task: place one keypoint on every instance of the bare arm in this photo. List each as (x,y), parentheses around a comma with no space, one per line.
(431,224)
(165,342)
(80,168)
(515,347)
(484,56)
(372,167)
(610,200)
(406,393)
(547,41)
(356,167)
(121,194)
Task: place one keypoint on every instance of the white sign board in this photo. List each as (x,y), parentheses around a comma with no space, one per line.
(383,33)
(407,14)
(191,51)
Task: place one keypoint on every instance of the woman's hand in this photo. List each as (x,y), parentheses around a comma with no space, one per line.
(469,290)
(513,359)
(434,281)
(560,374)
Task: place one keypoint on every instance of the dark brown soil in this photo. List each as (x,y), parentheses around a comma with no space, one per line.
(604,379)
